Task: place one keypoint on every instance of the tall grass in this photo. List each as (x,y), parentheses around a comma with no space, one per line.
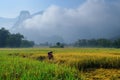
(86,61)
(15,68)
(33,64)
(83,58)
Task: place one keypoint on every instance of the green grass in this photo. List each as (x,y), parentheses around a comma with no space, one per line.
(15,68)
(68,64)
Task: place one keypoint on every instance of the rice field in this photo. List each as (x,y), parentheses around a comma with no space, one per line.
(68,64)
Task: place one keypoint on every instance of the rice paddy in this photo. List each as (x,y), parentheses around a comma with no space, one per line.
(68,64)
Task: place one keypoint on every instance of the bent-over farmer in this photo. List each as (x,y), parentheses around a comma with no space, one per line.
(50,55)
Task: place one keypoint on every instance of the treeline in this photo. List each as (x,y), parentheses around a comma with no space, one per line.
(57,45)
(13,40)
(98,43)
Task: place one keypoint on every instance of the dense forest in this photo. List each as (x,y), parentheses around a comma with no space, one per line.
(17,40)
(102,42)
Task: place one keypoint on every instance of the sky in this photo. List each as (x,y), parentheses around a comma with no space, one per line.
(67,20)
(12,8)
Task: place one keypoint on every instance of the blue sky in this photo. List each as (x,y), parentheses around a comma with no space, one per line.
(11,8)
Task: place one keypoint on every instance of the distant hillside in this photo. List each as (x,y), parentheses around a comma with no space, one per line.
(23,16)
(11,23)
(7,22)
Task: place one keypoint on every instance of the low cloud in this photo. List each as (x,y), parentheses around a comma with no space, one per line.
(92,19)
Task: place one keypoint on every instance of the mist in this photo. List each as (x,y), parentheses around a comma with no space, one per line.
(92,19)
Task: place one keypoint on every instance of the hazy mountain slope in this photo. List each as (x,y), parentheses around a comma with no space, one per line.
(23,16)
(11,23)
(7,22)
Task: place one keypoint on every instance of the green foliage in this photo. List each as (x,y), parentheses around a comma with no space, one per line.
(104,43)
(97,43)
(26,43)
(116,43)
(16,68)
(13,40)
(4,34)
(58,45)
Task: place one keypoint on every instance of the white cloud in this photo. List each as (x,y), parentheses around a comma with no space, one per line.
(93,19)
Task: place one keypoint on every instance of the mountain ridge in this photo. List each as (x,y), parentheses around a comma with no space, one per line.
(10,23)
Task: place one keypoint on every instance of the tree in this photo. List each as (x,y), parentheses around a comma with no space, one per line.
(14,40)
(81,43)
(116,43)
(4,34)
(103,43)
(92,43)
(59,45)
(26,43)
